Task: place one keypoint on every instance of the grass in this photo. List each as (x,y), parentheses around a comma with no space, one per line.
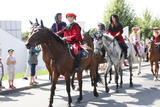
(21,75)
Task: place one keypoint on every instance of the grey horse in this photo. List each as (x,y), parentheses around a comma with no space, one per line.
(115,57)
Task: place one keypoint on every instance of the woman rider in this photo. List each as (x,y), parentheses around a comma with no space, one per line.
(72,34)
(115,28)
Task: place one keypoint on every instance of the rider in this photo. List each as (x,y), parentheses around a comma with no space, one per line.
(100,31)
(59,25)
(72,34)
(99,34)
(156,37)
(116,29)
(135,38)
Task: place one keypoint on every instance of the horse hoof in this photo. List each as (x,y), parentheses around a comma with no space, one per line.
(131,85)
(107,90)
(121,86)
(50,106)
(79,100)
(139,73)
(117,91)
(69,105)
(96,94)
(73,87)
(109,82)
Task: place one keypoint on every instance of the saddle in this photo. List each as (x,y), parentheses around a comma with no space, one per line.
(82,53)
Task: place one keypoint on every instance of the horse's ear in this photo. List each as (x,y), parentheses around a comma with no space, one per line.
(31,22)
(89,32)
(37,21)
(42,24)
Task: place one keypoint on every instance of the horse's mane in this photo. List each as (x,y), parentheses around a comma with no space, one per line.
(56,37)
(108,37)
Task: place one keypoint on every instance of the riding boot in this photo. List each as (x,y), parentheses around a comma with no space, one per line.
(77,63)
(137,53)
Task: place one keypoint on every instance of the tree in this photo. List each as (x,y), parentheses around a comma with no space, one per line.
(25,36)
(123,10)
(145,23)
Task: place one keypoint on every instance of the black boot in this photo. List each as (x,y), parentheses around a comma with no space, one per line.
(77,63)
(137,53)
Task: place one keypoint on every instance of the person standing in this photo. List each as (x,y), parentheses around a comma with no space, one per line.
(33,61)
(1,73)
(59,25)
(11,62)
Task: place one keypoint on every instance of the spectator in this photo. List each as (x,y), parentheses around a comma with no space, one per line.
(33,61)
(1,74)
(11,62)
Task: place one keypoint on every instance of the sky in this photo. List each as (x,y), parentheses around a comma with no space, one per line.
(89,11)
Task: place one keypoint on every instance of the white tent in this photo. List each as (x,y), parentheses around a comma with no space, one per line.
(8,41)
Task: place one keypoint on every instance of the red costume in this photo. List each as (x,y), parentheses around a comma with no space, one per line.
(156,38)
(74,32)
(114,31)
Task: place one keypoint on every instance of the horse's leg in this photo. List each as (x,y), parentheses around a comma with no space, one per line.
(67,78)
(156,70)
(139,66)
(79,77)
(131,74)
(53,87)
(130,69)
(95,80)
(72,81)
(110,75)
(121,75)
(151,62)
(116,78)
(105,78)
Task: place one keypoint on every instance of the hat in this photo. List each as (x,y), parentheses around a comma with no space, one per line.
(155,28)
(135,28)
(71,15)
(10,50)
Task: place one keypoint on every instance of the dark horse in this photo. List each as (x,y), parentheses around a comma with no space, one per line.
(154,56)
(61,62)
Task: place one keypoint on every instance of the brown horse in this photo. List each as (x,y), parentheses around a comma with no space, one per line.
(88,41)
(154,56)
(61,60)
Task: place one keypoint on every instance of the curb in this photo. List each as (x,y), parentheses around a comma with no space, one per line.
(11,91)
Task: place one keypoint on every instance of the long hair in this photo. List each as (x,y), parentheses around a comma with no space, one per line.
(116,17)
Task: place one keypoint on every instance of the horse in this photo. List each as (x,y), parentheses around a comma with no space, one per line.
(154,56)
(114,56)
(139,56)
(62,63)
(88,41)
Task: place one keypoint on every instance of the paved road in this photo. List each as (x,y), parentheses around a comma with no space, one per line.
(146,93)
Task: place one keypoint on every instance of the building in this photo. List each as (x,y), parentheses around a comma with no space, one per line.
(12,27)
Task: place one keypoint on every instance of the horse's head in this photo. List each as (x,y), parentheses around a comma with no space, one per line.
(37,35)
(98,45)
(87,39)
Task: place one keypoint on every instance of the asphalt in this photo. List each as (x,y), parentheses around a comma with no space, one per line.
(22,84)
